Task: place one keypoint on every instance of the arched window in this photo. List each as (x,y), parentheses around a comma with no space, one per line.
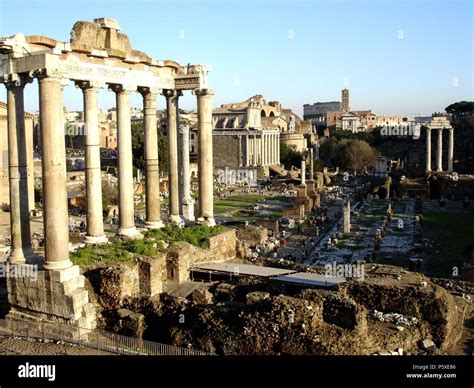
(263,114)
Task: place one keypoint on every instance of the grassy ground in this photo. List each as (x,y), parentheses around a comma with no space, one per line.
(237,203)
(126,252)
(452,233)
(195,235)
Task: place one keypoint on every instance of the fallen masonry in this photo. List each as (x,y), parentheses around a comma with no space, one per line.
(246,315)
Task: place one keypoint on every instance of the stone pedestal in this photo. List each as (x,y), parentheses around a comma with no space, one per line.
(55,296)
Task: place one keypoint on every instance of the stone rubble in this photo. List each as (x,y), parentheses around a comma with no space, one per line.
(399,319)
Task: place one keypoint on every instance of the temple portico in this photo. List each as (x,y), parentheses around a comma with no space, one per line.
(97,57)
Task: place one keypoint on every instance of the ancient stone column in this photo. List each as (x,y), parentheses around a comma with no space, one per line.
(346,216)
(188,201)
(152,173)
(247,150)
(451,150)
(172,97)
(428,149)
(311,164)
(125,163)
(95,225)
(21,250)
(254,151)
(53,160)
(439,154)
(303,174)
(204,110)
(278,148)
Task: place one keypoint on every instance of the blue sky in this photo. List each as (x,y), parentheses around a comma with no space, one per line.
(397,57)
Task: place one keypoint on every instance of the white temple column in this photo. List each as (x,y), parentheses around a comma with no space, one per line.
(247,150)
(53,160)
(125,163)
(152,173)
(439,155)
(428,149)
(172,97)
(21,250)
(95,225)
(188,201)
(450,149)
(276,148)
(303,174)
(206,200)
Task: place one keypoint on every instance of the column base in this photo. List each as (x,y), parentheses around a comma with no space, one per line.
(154,224)
(57,265)
(17,256)
(95,240)
(176,220)
(132,233)
(207,221)
(188,210)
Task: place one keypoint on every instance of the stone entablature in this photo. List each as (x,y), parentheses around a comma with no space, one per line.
(96,52)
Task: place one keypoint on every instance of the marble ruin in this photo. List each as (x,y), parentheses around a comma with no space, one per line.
(439,124)
(97,56)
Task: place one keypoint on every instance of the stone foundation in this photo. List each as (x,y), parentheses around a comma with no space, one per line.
(54,296)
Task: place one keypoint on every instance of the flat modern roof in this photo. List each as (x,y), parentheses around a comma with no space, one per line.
(311,279)
(243,269)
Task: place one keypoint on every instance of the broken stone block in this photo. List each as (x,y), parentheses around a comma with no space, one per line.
(123,313)
(225,292)
(428,345)
(202,296)
(256,297)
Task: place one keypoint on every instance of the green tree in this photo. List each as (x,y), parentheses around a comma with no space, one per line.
(461,108)
(138,147)
(289,157)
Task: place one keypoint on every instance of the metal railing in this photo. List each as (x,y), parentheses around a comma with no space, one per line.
(96,339)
